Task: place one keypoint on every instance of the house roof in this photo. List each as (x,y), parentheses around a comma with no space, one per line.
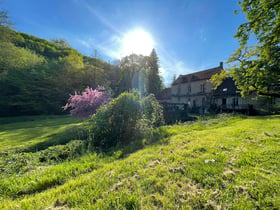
(200,75)
(227,88)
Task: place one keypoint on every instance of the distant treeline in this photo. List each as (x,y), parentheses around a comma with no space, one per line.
(37,76)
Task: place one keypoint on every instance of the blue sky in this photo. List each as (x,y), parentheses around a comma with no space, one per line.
(188,35)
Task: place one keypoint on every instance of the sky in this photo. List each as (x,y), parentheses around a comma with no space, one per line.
(188,35)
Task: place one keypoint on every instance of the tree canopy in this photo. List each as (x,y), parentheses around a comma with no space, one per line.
(257,67)
(155,83)
(140,72)
(37,76)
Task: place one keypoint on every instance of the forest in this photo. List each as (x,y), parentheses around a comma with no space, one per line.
(37,76)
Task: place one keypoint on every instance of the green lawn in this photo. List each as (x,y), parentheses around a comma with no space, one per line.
(222,163)
(22,132)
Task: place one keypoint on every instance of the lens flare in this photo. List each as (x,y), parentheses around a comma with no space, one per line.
(137,41)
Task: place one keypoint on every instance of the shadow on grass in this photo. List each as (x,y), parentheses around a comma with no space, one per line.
(35,122)
(77,132)
(48,153)
(158,136)
(268,117)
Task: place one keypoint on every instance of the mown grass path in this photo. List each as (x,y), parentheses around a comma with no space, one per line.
(226,162)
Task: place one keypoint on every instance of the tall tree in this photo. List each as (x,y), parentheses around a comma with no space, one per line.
(134,70)
(257,67)
(154,80)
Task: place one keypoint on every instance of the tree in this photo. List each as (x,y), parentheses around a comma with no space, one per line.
(154,80)
(86,104)
(134,70)
(61,42)
(4,19)
(127,118)
(257,67)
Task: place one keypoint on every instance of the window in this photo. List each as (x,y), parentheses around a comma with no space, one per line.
(189,90)
(235,102)
(202,88)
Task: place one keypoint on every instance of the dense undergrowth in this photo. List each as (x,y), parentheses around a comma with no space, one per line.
(223,162)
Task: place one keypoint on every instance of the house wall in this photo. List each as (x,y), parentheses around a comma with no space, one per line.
(232,102)
(187,93)
(226,97)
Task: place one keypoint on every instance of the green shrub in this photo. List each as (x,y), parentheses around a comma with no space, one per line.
(125,119)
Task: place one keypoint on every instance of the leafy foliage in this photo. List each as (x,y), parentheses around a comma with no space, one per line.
(61,42)
(217,79)
(32,71)
(84,105)
(257,67)
(12,57)
(134,70)
(154,80)
(141,73)
(125,119)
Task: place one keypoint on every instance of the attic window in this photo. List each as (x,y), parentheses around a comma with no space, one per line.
(225,89)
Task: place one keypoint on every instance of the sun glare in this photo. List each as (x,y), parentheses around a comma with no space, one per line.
(137,41)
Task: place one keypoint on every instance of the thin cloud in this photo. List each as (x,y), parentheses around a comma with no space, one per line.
(100,17)
(85,43)
(202,35)
(170,66)
(109,48)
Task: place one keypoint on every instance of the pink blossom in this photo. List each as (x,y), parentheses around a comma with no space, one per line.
(86,104)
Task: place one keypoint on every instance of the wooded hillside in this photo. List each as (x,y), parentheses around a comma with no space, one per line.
(37,76)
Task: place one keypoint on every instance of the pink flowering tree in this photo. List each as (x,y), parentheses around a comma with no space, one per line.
(86,104)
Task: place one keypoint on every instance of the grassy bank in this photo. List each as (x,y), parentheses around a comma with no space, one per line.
(21,133)
(226,162)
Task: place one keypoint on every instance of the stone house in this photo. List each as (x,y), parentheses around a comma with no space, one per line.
(194,91)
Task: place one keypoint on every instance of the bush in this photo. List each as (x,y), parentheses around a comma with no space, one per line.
(125,119)
(86,104)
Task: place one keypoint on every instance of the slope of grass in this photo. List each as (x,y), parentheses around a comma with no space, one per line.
(25,132)
(226,162)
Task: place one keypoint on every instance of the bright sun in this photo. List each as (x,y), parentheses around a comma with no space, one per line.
(137,41)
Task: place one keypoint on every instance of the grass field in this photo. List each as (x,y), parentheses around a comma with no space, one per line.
(19,133)
(228,162)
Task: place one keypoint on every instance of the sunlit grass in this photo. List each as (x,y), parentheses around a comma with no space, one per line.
(19,132)
(230,162)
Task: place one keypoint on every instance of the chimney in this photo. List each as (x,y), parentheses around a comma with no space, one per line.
(221,65)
